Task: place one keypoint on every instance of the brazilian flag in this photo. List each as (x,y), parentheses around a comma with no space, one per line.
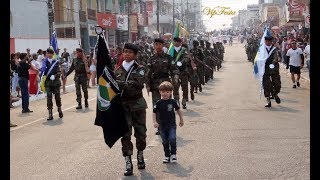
(109,113)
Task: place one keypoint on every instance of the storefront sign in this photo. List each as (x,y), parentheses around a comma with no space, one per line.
(91,30)
(134,23)
(296,10)
(122,22)
(107,20)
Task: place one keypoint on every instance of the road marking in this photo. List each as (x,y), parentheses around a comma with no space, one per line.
(24,125)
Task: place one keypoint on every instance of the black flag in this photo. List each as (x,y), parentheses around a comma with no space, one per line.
(110,114)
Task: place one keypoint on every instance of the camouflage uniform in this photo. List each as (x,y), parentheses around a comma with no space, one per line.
(134,105)
(198,55)
(208,61)
(160,68)
(183,63)
(80,79)
(53,87)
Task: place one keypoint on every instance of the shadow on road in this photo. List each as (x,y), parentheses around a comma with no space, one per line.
(288,100)
(53,122)
(178,170)
(283,109)
(191,113)
(204,93)
(144,175)
(181,142)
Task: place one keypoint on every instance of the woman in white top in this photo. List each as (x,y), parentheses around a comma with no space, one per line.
(307,56)
(93,70)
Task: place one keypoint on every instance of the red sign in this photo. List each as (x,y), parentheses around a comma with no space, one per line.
(296,10)
(107,20)
(149,6)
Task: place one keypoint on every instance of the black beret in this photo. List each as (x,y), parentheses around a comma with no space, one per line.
(177,39)
(268,37)
(195,42)
(131,46)
(50,51)
(159,40)
(207,42)
(79,50)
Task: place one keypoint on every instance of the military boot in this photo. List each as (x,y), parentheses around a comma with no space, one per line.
(86,104)
(140,159)
(184,104)
(129,166)
(268,102)
(79,105)
(192,95)
(60,112)
(50,115)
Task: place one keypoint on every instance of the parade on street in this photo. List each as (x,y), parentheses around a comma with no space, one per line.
(160,90)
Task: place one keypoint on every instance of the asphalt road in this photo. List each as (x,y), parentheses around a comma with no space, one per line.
(228,134)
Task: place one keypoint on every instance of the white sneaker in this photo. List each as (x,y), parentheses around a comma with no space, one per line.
(166,160)
(173,158)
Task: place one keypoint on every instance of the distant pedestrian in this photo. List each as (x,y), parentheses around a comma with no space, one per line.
(167,121)
(296,62)
(34,75)
(307,56)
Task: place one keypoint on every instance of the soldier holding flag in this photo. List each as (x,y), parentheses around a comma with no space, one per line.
(130,77)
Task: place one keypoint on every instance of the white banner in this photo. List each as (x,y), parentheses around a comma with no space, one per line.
(91,30)
(122,22)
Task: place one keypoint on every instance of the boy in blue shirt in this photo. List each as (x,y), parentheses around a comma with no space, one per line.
(167,121)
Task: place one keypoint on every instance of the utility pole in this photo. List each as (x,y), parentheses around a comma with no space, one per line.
(187,14)
(129,22)
(173,16)
(158,12)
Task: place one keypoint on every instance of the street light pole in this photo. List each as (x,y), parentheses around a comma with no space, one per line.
(158,12)
(129,27)
(50,18)
(173,15)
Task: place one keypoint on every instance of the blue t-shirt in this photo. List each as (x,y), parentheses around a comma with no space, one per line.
(165,108)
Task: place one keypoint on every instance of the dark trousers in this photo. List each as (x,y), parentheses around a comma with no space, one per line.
(83,83)
(169,142)
(271,84)
(137,120)
(53,89)
(23,83)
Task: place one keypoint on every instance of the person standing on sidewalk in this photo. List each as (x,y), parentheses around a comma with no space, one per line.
(296,62)
(307,55)
(23,73)
(80,65)
(51,69)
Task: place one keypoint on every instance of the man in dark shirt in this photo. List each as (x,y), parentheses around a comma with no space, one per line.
(23,73)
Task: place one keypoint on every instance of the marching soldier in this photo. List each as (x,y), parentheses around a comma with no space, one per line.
(80,65)
(201,69)
(208,61)
(51,69)
(183,63)
(271,79)
(198,57)
(131,77)
(160,68)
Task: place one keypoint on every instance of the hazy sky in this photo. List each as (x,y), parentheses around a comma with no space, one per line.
(217,21)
